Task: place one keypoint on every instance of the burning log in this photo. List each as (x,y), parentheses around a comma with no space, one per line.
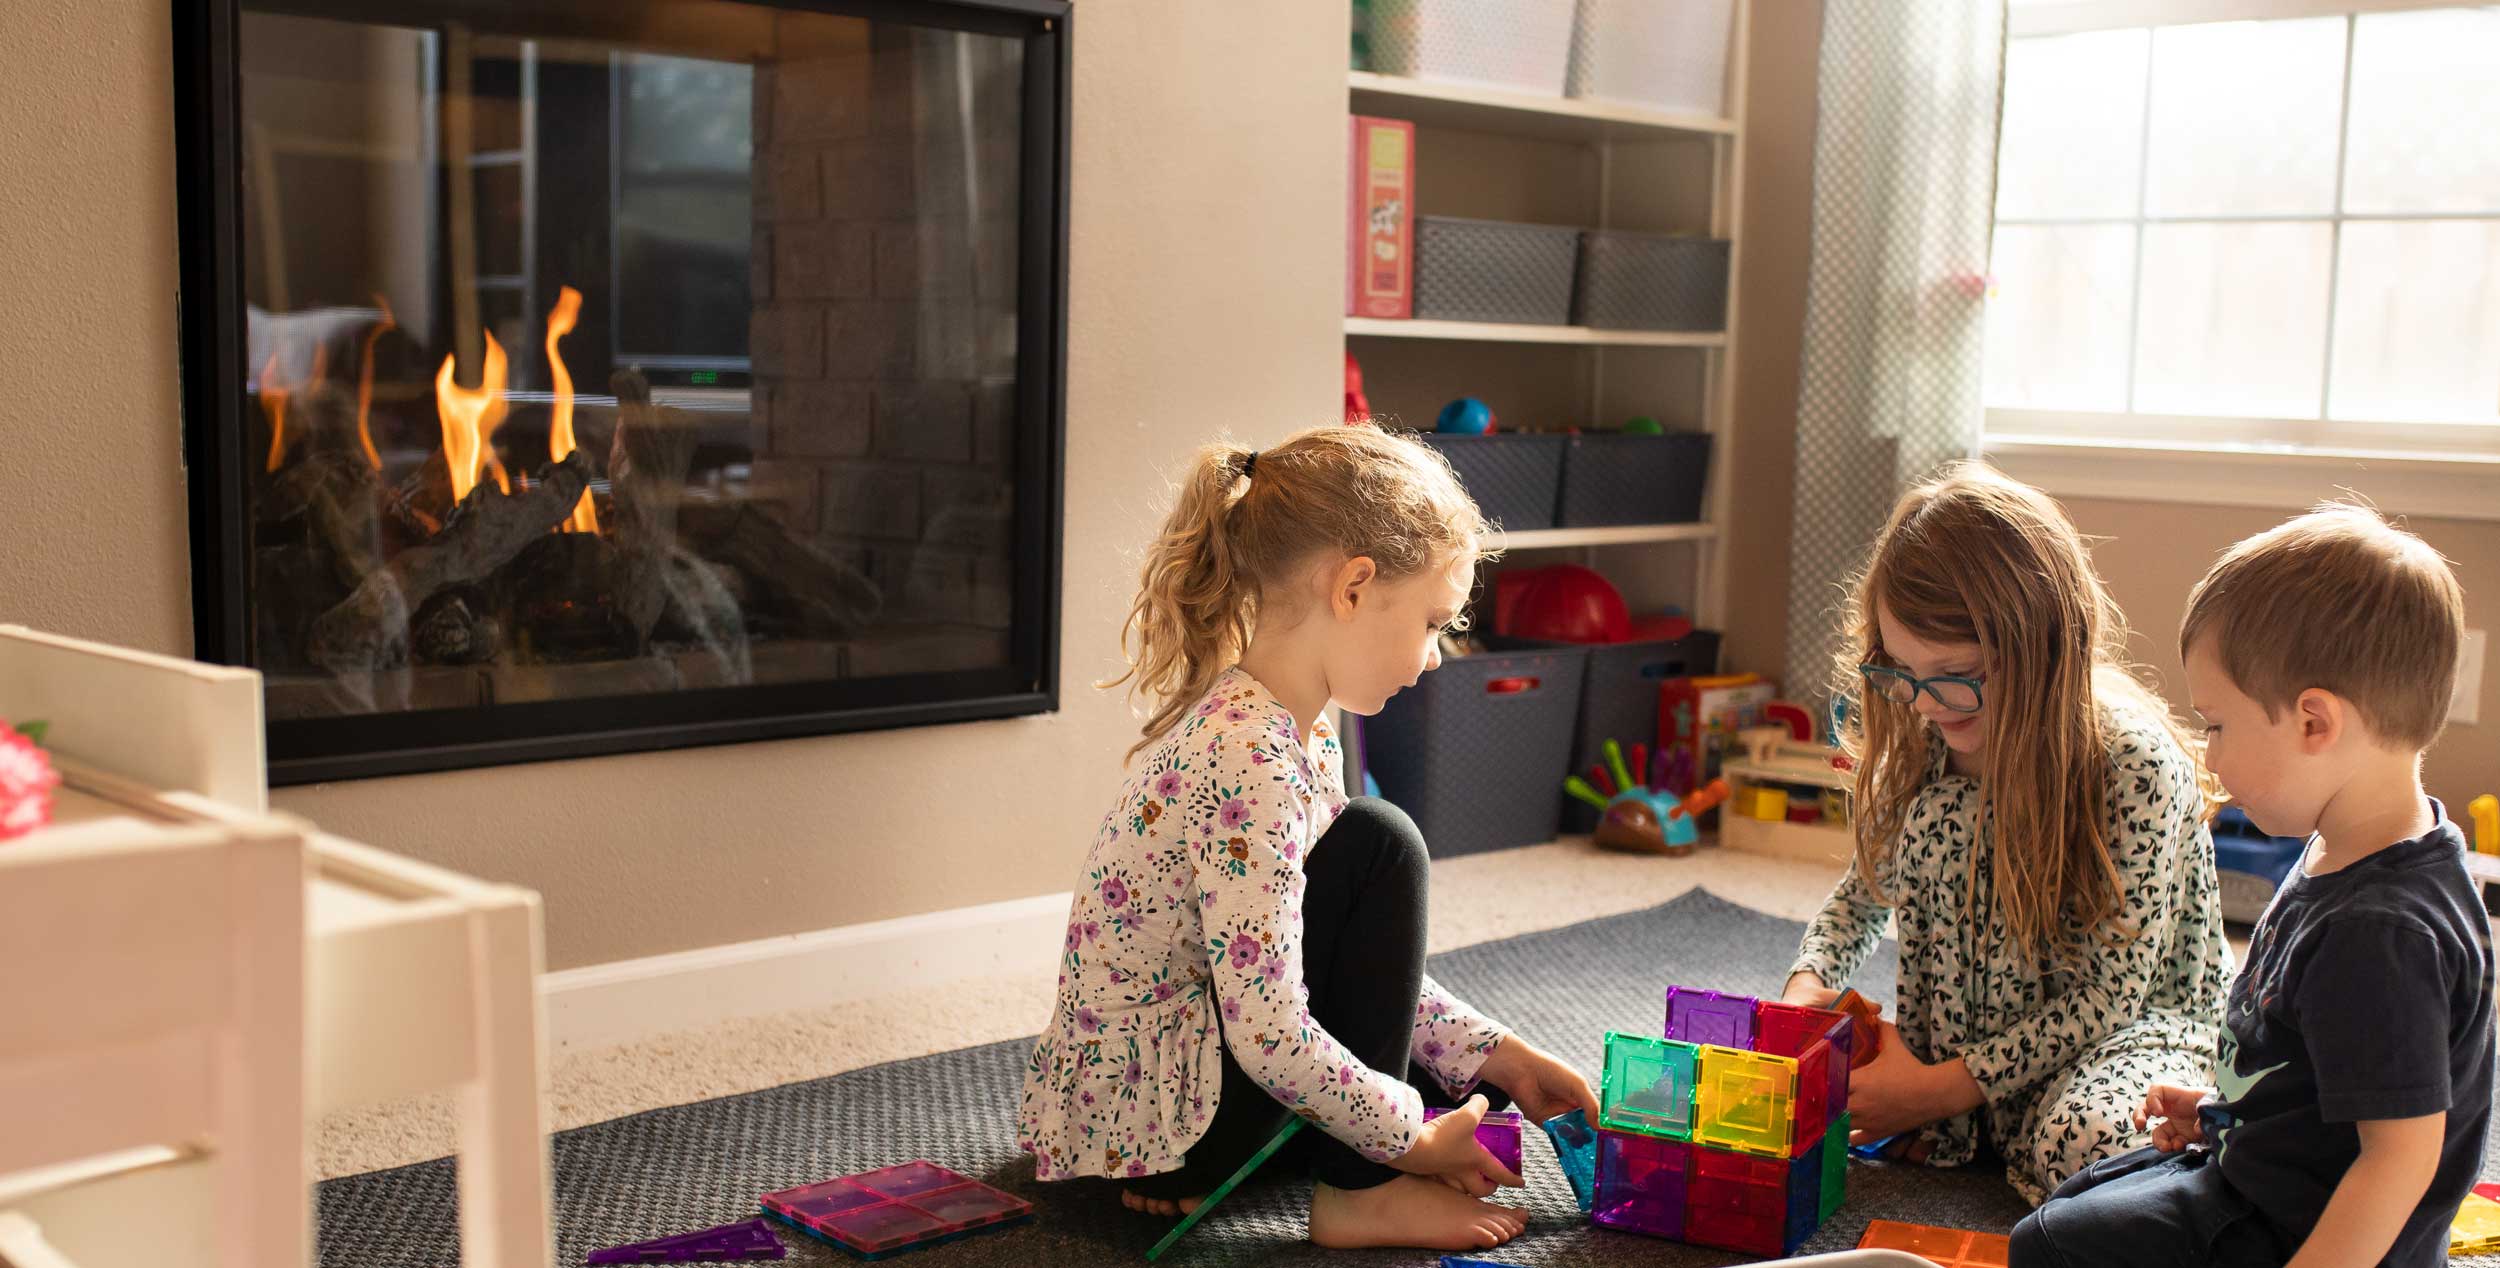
(369,629)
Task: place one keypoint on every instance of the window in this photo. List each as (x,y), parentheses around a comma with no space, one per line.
(2275,233)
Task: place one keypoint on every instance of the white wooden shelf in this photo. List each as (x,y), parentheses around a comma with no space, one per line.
(1613,535)
(1472,109)
(1510,332)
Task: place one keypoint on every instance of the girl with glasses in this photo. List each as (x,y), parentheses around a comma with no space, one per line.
(2033,819)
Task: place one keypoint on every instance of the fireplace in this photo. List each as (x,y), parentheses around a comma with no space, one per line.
(566,377)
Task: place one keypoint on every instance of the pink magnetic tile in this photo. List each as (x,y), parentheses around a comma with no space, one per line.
(876,1228)
(908,1179)
(826,1198)
(970,1204)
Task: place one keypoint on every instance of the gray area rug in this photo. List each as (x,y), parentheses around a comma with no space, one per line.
(691,1166)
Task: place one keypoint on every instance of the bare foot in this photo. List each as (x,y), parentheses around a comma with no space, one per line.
(1410,1211)
(1136,1201)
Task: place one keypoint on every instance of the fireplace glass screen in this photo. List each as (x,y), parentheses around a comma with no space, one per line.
(622,374)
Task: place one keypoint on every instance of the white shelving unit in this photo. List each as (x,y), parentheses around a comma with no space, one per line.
(1506,155)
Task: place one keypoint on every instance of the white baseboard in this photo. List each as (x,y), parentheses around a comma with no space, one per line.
(605,1004)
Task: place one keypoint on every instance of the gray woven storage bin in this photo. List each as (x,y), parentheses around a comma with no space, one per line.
(1611,478)
(1513,476)
(1492,270)
(1651,281)
(1475,750)
(1619,701)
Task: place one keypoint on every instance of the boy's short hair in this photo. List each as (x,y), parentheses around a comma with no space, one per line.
(2341,600)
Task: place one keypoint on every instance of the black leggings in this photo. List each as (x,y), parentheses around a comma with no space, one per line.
(1363,910)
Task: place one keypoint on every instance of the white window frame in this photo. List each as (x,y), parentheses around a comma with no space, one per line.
(2434,469)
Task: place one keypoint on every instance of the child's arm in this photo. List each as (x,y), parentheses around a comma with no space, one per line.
(1248,823)
(2377,1195)
(1837,941)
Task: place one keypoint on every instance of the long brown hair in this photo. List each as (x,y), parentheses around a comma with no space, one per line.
(1232,542)
(1970,556)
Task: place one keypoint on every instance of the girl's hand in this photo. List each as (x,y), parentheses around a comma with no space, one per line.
(1808,991)
(1447,1150)
(1897,1092)
(2172,1112)
(1542,1084)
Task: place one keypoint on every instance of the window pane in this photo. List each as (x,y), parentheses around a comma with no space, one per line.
(2417,321)
(2244,117)
(2424,95)
(2057,329)
(2071,143)
(2233,319)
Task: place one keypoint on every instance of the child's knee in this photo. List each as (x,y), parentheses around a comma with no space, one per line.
(2030,1248)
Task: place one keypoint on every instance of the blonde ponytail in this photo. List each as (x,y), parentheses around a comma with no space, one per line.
(1238,532)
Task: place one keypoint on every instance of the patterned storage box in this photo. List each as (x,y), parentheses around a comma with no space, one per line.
(1521,45)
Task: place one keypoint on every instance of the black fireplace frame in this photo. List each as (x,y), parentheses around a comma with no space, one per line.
(207,105)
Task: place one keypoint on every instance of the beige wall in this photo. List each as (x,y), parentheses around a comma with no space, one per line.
(2155,551)
(1205,288)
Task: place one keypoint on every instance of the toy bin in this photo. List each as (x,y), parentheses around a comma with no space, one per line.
(1514,477)
(1651,281)
(1520,45)
(1472,750)
(1494,270)
(1662,54)
(1619,700)
(1616,478)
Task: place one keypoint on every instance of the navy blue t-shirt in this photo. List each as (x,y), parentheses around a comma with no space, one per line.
(2367,995)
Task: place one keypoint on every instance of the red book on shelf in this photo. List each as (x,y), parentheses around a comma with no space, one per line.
(1380,217)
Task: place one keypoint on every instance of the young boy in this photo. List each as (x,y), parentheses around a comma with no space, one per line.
(2356,1053)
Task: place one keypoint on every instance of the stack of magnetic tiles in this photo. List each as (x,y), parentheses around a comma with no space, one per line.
(1732,1130)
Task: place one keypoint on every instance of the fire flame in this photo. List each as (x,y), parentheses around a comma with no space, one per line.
(470,417)
(273,398)
(364,381)
(273,403)
(560,322)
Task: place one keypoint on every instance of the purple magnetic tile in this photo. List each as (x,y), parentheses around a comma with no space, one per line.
(1643,1183)
(1498,1132)
(967,1205)
(827,1197)
(748,1239)
(908,1179)
(1700,1017)
(876,1228)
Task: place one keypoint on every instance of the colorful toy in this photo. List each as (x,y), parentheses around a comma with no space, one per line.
(1644,817)
(2485,812)
(1498,1132)
(1231,1182)
(2477,1227)
(1465,416)
(1729,1144)
(1700,718)
(1561,603)
(895,1209)
(1643,426)
(748,1239)
(1575,1148)
(1944,1247)
(1866,1037)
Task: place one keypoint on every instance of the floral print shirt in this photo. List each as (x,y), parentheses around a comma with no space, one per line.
(1190,910)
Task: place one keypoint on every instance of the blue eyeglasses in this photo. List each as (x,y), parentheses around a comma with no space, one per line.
(1960,695)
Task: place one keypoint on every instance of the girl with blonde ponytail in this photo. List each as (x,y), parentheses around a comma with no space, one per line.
(1247,944)
(2032,819)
